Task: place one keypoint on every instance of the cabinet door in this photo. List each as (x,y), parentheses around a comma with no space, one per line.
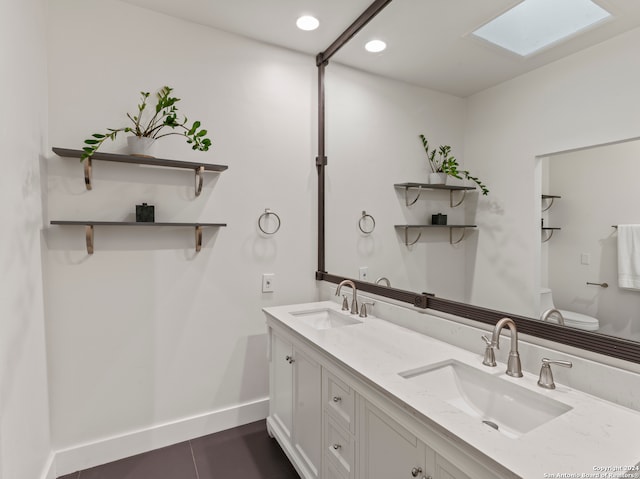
(307,410)
(387,450)
(446,470)
(281,394)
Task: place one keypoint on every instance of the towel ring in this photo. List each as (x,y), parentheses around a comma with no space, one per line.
(266,213)
(363,220)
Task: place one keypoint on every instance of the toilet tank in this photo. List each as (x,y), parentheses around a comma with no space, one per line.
(546,300)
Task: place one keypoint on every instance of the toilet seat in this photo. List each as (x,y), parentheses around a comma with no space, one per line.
(579,320)
(571,318)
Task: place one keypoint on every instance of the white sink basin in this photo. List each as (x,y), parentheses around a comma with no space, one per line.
(325,318)
(495,402)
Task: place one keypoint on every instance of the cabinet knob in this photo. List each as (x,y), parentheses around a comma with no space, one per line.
(416,471)
(337,446)
(337,399)
(290,359)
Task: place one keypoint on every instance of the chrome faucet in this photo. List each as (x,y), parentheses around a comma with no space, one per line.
(546,377)
(354,299)
(552,312)
(383,279)
(514,368)
(489,354)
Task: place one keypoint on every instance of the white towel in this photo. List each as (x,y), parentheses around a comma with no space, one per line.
(629,256)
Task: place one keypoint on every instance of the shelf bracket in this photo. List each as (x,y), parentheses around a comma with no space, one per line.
(544,240)
(464,231)
(464,194)
(550,200)
(88,233)
(87,173)
(406,196)
(199,180)
(406,237)
(198,238)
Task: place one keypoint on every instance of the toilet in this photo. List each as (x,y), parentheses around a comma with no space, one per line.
(571,318)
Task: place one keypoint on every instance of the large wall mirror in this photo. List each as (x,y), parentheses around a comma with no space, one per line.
(527,127)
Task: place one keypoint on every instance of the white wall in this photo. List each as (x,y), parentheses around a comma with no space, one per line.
(589,98)
(24,418)
(145,332)
(599,188)
(373,128)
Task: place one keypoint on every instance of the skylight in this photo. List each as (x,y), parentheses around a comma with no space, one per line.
(534,24)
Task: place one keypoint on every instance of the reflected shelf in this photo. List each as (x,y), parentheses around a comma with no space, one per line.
(451,228)
(89,228)
(549,198)
(549,232)
(428,186)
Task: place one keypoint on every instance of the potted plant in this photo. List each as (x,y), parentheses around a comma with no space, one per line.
(444,165)
(146,131)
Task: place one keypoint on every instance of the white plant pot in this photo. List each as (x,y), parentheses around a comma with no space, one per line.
(438,178)
(141,146)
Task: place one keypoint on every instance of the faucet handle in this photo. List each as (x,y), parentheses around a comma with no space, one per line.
(345,303)
(546,376)
(363,309)
(489,354)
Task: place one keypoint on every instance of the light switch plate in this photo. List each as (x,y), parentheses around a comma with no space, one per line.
(364,273)
(268,282)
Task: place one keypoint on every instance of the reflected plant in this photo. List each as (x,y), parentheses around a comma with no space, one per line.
(444,162)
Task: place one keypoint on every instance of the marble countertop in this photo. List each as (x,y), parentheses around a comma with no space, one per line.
(593,434)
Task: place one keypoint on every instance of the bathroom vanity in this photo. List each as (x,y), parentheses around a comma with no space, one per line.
(363,398)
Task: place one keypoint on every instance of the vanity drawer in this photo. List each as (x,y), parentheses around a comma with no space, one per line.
(339,448)
(339,400)
(332,472)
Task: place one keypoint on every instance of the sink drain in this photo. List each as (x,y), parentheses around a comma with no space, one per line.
(491,424)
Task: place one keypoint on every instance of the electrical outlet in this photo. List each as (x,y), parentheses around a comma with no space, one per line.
(364,273)
(268,282)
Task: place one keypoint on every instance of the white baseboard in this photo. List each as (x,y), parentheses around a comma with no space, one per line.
(113,448)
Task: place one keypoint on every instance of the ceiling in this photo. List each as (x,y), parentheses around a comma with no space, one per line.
(428,40)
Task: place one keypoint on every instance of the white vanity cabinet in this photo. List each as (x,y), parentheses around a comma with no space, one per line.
(295,403)
(333,424)
(389,450)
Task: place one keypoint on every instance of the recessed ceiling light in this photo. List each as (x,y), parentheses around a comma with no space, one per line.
(307,23)
(375,46)
(534,24)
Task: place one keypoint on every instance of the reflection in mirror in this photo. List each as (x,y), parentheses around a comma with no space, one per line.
(599,191)
(499,113)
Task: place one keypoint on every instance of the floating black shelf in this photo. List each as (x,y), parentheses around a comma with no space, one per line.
(428,186)
(198,168)
(451,228)
(89,225)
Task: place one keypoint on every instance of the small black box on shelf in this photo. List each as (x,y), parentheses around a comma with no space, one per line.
(145,213)
(439,219)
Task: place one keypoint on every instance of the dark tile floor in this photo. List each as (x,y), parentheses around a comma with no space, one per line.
(245,452)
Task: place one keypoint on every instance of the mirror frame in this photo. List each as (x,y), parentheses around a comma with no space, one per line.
(590,341)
